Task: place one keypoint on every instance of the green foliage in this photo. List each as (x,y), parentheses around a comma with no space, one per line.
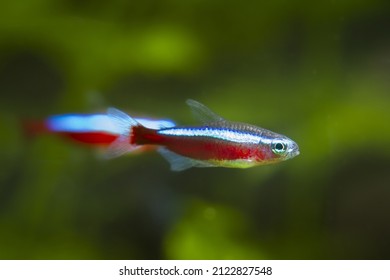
(212,232)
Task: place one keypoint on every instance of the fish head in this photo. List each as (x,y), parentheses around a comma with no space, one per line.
(276,148)
(283,148)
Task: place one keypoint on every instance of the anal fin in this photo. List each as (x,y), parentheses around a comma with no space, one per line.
(179,162)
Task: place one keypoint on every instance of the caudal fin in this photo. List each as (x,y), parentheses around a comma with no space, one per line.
(124,124)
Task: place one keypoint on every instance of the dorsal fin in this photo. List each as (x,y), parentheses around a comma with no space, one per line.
(202,113)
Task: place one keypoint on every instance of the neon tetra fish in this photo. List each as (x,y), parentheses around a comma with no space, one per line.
(217,142)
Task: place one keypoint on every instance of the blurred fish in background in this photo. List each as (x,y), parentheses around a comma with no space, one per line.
(91,129)
(317,72)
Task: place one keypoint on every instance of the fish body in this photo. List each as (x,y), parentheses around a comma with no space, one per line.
(216,142)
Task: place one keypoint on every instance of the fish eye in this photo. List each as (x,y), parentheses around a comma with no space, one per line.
(279,148)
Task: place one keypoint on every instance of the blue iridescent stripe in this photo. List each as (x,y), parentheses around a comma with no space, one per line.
(97,123)
(217,133)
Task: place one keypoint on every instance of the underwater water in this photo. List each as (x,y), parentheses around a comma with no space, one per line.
(318,73)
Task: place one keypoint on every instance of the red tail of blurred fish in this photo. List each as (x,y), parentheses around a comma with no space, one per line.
(91,129)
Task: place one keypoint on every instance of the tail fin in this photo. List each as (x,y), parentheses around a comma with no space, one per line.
(124,123)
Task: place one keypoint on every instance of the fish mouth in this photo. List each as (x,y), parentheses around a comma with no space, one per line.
(295,153)
(294,150)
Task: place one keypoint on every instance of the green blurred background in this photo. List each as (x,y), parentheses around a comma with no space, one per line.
(317,72)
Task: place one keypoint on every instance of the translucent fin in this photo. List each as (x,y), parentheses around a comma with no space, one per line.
(165,124)
(155,123)
(121,120)
(124,124)
(198,163)
(179,162)
(202,113)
